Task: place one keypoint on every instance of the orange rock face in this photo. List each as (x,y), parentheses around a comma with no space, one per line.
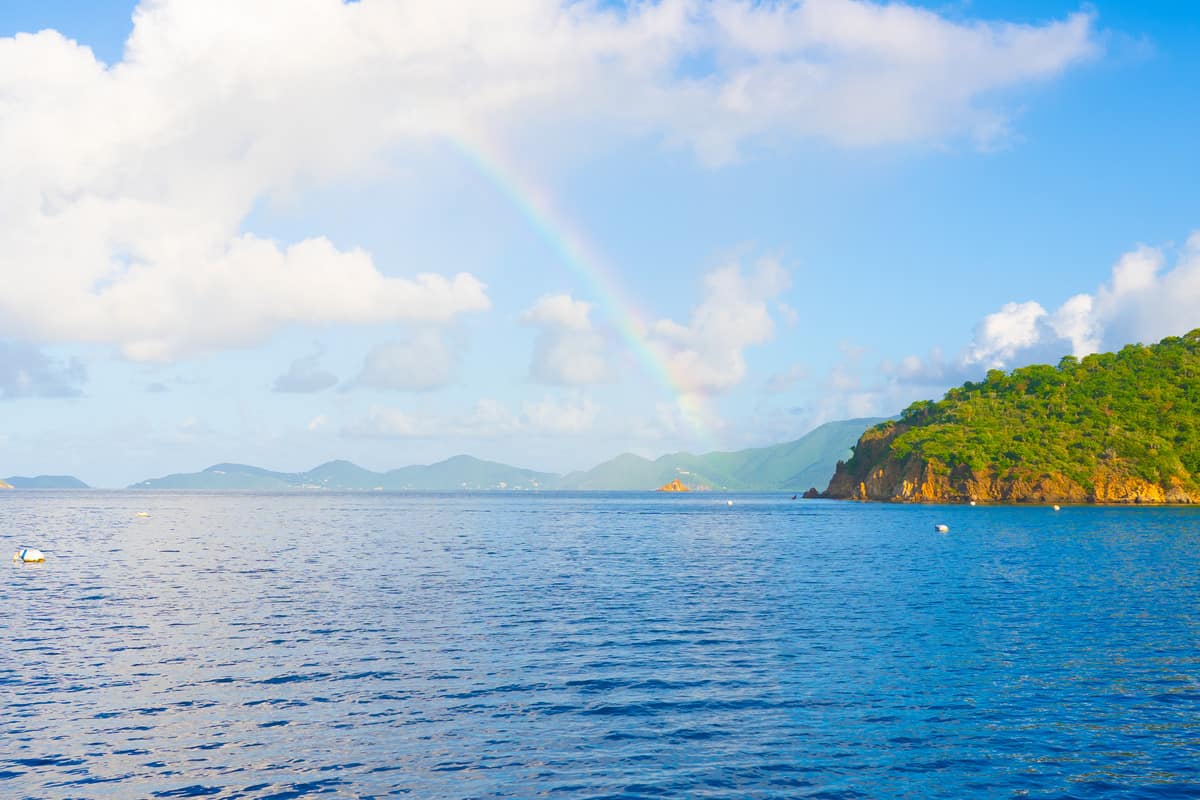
(674,486)
(915,480)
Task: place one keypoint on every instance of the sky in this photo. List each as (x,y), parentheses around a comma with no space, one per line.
(283,232)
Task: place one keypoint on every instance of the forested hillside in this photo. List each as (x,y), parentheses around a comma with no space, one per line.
(1111,427)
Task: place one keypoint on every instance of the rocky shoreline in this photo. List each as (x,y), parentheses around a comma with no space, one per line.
(876,475)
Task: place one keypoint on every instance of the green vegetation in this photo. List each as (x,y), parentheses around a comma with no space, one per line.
(1134,413)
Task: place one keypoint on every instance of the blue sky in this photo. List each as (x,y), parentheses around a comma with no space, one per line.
(681,225)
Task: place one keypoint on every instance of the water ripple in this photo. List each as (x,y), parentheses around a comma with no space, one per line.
(600,646)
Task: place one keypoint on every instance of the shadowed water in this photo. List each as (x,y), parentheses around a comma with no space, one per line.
(594,645)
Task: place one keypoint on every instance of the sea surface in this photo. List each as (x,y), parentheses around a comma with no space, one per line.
(594,646)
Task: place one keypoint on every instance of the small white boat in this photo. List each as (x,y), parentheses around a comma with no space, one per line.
(940,528)
(29,556)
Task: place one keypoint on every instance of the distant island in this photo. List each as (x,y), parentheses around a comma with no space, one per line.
(783,467)
(1109,428)
(43,482)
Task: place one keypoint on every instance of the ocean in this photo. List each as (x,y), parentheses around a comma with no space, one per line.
(624,645)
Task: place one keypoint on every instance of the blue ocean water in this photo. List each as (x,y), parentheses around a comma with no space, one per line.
(594,646)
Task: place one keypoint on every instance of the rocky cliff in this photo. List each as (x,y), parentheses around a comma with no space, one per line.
(879,474)
(1121,427)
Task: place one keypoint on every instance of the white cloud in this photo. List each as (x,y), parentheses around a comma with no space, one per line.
(568,351)
(706,355)
(25,371)
(842,379)
(386,422)
(127,186)
(790,315)
(1074,321)
(305,375)
(1139,303)
(488,419)
(690,422)
(860,390)
(559,311)
(861,73)
(782,381)
(931,373)
(193,428)
(1015,327)
(423,363)
(554,416)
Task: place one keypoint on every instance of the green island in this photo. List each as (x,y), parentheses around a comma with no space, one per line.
(1118,427)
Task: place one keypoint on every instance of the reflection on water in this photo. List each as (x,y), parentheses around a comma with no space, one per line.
(444,646)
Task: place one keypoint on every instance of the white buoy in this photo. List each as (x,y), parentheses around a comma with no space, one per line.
(972,502)
(29,556)
(728,502)
(142,514)
(941,528)
(1056,508)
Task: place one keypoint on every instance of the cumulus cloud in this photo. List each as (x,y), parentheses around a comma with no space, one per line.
(852,391)
(860,73)
(1142,301)
(488,419)
(1001,335)
(706,355)
(555,416)
(127,186)
(782,381)
(691,421)
(568,351)
(387,422)
(1139,303)
(193,429)
(305,376)
(25,371)
(931,372)
(420,364)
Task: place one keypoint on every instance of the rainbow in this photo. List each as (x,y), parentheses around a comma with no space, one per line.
(575,253)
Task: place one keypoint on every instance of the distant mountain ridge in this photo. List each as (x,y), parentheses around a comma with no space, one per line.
(457,473)
(792,466)
(45,482)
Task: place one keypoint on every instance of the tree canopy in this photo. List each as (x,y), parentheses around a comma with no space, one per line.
(1136,411)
